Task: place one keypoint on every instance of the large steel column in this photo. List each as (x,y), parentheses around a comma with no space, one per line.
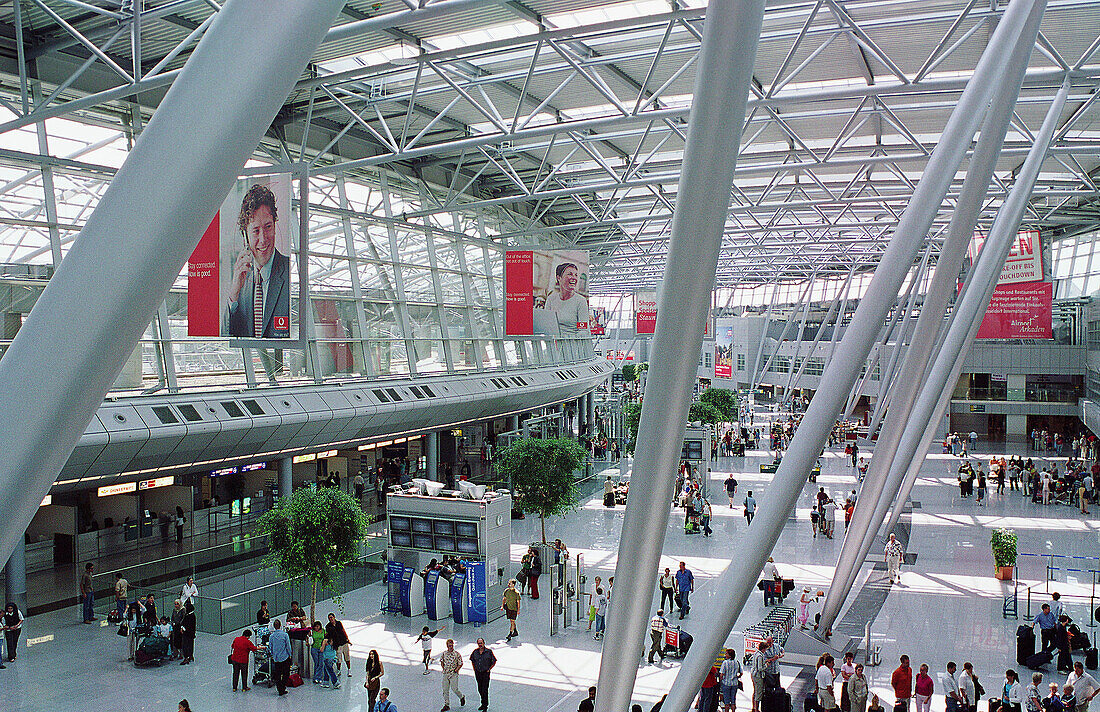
(882,482)
(431,455)
(102,296)
(970,309)
(15,577)
(286,477)
(737,582)
(726,57)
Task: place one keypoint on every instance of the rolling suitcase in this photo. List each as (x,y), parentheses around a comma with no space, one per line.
(776,699)
(1038,660)
(1025,644)
(1090,658)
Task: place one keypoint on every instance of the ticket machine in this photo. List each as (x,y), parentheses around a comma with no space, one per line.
(458,597)
(437,595)
(405,589)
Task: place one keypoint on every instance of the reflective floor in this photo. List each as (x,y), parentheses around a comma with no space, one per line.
(947,608)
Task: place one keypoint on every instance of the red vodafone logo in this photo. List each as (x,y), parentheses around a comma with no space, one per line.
(282,322)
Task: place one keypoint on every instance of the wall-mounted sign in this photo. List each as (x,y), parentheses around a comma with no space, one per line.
(224,471)
(253,467)
(157,482)
(1024,262)
(124,488)
(546,292)
(1019,311)
(645,312)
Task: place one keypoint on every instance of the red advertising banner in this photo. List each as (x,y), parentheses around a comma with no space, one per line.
(203,303)
(1024,262)
(519,295)
(1019,311)
(645,312)
(723,352)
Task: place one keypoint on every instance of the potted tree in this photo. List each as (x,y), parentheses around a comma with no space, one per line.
(541,475)
(314,533)
(1003,542)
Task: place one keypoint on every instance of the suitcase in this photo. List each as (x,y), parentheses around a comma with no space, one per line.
(1080,641)
(776,700)
(1025,644)
(1038,660)
(811,705)
(295,680)
(1090,658)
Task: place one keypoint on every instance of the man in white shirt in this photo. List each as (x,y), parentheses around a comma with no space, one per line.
(966,687)
(189,591)
(951,690)
(1085,686)
(657,625)
(825,677)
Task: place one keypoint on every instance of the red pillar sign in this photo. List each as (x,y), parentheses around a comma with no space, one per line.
(203,294)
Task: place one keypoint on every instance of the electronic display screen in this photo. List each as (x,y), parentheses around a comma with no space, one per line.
(444,527)
(423,541)
(422,525)
(445,543)
(467,546)
(466,529)
(400,523)
(399,539)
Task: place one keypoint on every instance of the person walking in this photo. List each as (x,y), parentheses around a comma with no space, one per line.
(336,634)
(825,676)
(657,625)
(373,683)
(316,651)
(1047,623)
(279,647)
(804,601)
(857,690)
(667,584)
(122,587)
(510,604)
(601,613)
(187,633)
(729,677)
(242,646)
(87,593)
(482,660)
(1061,642)
(533,576)
(451,663)
(704,517)
(12,626)
(685,584)
(894,553)
(758,666)
(329,657)
(731,488)
(902,682)
(750,507)
(383,704)
(1085,686)
(923,688)
(189,591)
(953,699)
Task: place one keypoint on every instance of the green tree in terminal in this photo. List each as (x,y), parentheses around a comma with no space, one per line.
(541,472)
(704,413)
(725,401)
(632,413)
(314,533)
(629,373)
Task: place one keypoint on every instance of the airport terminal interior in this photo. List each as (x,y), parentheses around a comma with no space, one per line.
(466,320)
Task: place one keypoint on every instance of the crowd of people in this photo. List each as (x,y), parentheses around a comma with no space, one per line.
(1044,482)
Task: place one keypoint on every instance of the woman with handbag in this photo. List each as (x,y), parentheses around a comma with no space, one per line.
(187,633)
(242,645)
(375,671)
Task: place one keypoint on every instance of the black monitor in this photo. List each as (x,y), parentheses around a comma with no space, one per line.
(445,543)
(466,529)
(400,523)
(443,526)
(467,546)
(423,541)
(400,539)
(422,525)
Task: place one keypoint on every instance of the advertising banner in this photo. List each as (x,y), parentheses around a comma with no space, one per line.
(1019,311)
(546,292)
(238,278)
(645,312)
(1024,262)
(723,352)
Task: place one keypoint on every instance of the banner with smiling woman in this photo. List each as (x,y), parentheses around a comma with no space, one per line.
(546,292)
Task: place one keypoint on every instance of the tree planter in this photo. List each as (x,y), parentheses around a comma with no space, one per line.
(1003,543)
(1003,573)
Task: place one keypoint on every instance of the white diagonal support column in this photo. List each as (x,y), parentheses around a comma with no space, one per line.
(102,296)
(728,52)
(882,482)
(736,583)
(970,309)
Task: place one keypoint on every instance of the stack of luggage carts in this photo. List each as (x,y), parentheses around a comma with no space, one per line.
(777,624)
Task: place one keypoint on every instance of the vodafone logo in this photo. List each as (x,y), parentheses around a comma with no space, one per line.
(282,322)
